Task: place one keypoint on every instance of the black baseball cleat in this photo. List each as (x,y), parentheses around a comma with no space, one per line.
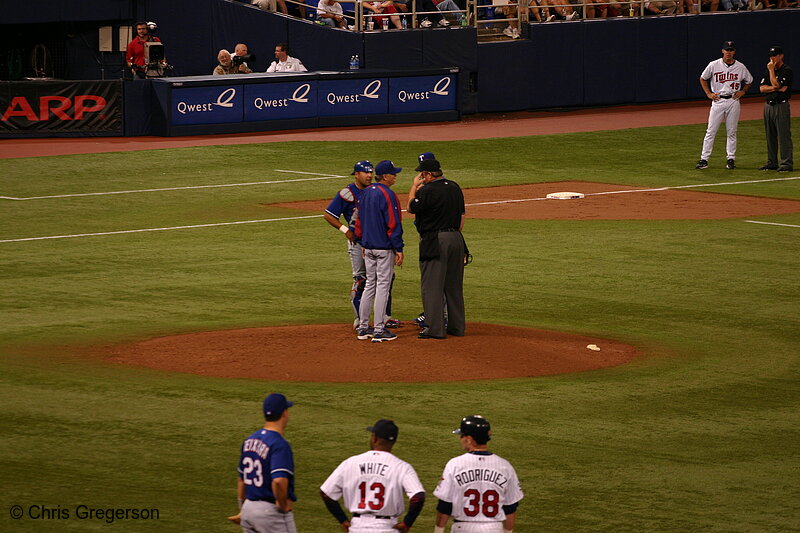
(785,169)
(701,164)
(731,164)
(768,167)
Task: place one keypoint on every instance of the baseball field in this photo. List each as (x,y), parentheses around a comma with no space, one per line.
(698,430)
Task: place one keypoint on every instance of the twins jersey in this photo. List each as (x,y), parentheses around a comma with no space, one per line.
(265,455)
(726,79)
(346,203)
(479,484)
(373,483)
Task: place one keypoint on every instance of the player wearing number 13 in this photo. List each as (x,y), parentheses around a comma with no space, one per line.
(372,485)
(266,474)
(478,489)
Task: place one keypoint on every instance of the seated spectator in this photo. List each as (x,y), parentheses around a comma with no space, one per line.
(666,7)
(226,65)
(386,7)
(431,16)
(284,62)
(509,11)
(270,5)
(450,5)
(330,12)
(242,51)
(709,5)
(734,5)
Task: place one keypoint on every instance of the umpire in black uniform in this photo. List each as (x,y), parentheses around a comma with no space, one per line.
(776,85)
(438,205)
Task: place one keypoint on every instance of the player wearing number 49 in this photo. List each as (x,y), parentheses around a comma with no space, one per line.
(266,474)
(372,484)
(478,489)
(729,81)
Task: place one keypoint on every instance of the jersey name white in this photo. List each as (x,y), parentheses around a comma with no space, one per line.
(726,79)
(373,482)
(478,486)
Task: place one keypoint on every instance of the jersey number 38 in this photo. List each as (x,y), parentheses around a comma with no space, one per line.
(487,504)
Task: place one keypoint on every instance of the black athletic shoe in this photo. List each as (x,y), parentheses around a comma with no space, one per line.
(784,169)
(768,167)
(731,164)
(701,164)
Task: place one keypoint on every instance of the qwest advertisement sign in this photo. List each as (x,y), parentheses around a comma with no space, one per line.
(80,107)
(368,96)
(207,105)
(422,93)
(272,101)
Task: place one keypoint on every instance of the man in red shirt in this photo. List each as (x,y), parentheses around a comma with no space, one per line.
(134,55)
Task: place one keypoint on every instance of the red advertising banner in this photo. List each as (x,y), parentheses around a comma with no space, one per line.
(61,107)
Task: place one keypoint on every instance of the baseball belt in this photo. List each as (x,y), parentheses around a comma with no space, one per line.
(365,515)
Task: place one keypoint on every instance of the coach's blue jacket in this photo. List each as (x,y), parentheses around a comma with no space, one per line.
(379,225)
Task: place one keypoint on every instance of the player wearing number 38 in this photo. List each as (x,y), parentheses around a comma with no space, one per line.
(478,489)
(372,485)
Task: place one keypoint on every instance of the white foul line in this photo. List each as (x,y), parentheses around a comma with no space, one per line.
(322,177)
(161,229)
(773,224)
(331,175)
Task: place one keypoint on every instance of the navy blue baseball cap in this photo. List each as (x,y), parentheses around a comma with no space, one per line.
(276,403)
(729,45)
(362,166)
(386,167)
(426,155)
(775,51)
(385,429)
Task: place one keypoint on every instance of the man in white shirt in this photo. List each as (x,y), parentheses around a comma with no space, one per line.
(330,12)
(284,62)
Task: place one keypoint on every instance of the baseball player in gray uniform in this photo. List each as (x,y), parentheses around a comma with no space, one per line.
(373,484)
(729,81)
(478,489)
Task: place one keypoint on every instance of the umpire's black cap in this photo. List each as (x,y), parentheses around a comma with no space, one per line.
(385,429)
(429,165)
(729,45)
(775,50)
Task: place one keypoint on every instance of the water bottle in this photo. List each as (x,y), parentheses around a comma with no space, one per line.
(632,11)
(385,23)
(356,63)
(353,63)
(404,23)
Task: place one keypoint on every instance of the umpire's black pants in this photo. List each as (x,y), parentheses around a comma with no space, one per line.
(443,284)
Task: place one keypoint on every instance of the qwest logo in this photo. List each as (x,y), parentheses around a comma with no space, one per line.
(57,106)
(440,89)
(370,91)
(300,96)
(225,99)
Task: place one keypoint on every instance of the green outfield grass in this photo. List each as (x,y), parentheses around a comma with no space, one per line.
(700,434)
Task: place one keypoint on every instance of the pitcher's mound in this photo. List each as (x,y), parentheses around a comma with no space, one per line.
(332,353)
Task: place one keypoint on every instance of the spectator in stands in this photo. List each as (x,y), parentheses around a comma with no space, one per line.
(226,65)
(429,9)
(284,62)
(667,7)
(241,50)
(509,11)
(270,5)
(709,5)
(450,5)
(387,8)
(134,55)
(330,12)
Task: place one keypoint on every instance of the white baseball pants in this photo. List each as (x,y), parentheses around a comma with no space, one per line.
(723,110)
(477,527)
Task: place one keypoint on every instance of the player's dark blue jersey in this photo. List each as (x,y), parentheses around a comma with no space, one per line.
(379,225)
(266,455)
(345,203)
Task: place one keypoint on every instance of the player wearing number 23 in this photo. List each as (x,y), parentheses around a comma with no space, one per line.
(266,474)
(478,489)
(372,485)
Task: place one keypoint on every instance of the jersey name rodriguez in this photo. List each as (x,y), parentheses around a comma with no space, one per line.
(480,474)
